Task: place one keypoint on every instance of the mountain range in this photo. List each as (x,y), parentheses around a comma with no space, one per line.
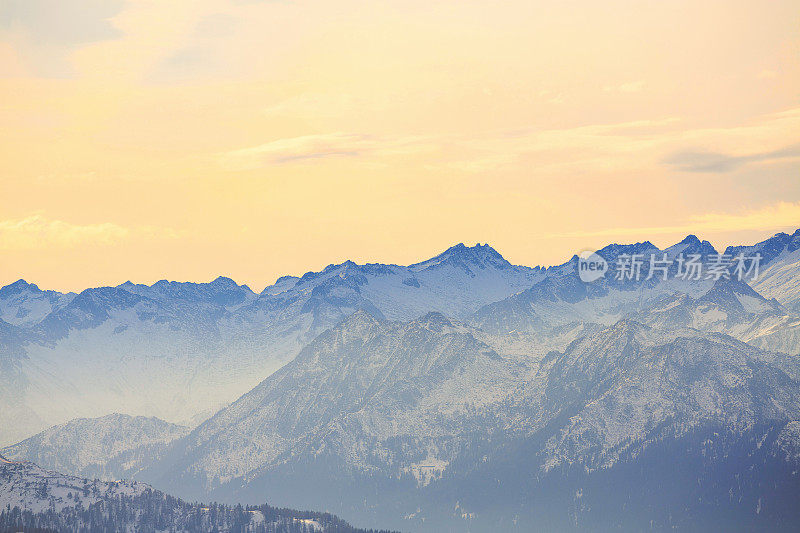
(458,393)
(196,347)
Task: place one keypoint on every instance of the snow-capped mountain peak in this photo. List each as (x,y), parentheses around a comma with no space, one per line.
(25,304)
(17,287)
(460,255)
(769,249)
(434,321)
(611,252)
(691,245)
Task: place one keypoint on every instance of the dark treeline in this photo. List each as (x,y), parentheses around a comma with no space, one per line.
(154,511)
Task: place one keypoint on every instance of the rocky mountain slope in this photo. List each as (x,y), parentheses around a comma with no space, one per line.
(372,392)
(196,347)
(780,277)
(112,447)
(387,417)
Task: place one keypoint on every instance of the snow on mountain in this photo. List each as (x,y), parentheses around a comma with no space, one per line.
(455,282)
(28,486)
(24,304)
(421,408)
(35,499)
(222,292)
(429,384)
(780,272)
(111,447)
(99,352)
(561,300)
(196,347)
(627,382)
(730,307)
(691,245)
(771,249)
(359,391)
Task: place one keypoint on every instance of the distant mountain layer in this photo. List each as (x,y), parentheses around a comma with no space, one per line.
(111,447)
(195,347)
(32,498)
(460,393)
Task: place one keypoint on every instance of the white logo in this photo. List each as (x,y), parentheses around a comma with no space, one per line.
(591,266)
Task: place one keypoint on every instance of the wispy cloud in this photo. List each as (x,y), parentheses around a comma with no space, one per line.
(637,145)
(318,146)
(45,31)
(590,147)
(203,55)
(700,161)
(602,147)
(36,231)
(40,232)
(295,149)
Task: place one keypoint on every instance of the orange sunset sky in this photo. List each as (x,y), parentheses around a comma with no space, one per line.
(149,139)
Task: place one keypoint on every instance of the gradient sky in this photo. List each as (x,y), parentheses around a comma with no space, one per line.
(186,139)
